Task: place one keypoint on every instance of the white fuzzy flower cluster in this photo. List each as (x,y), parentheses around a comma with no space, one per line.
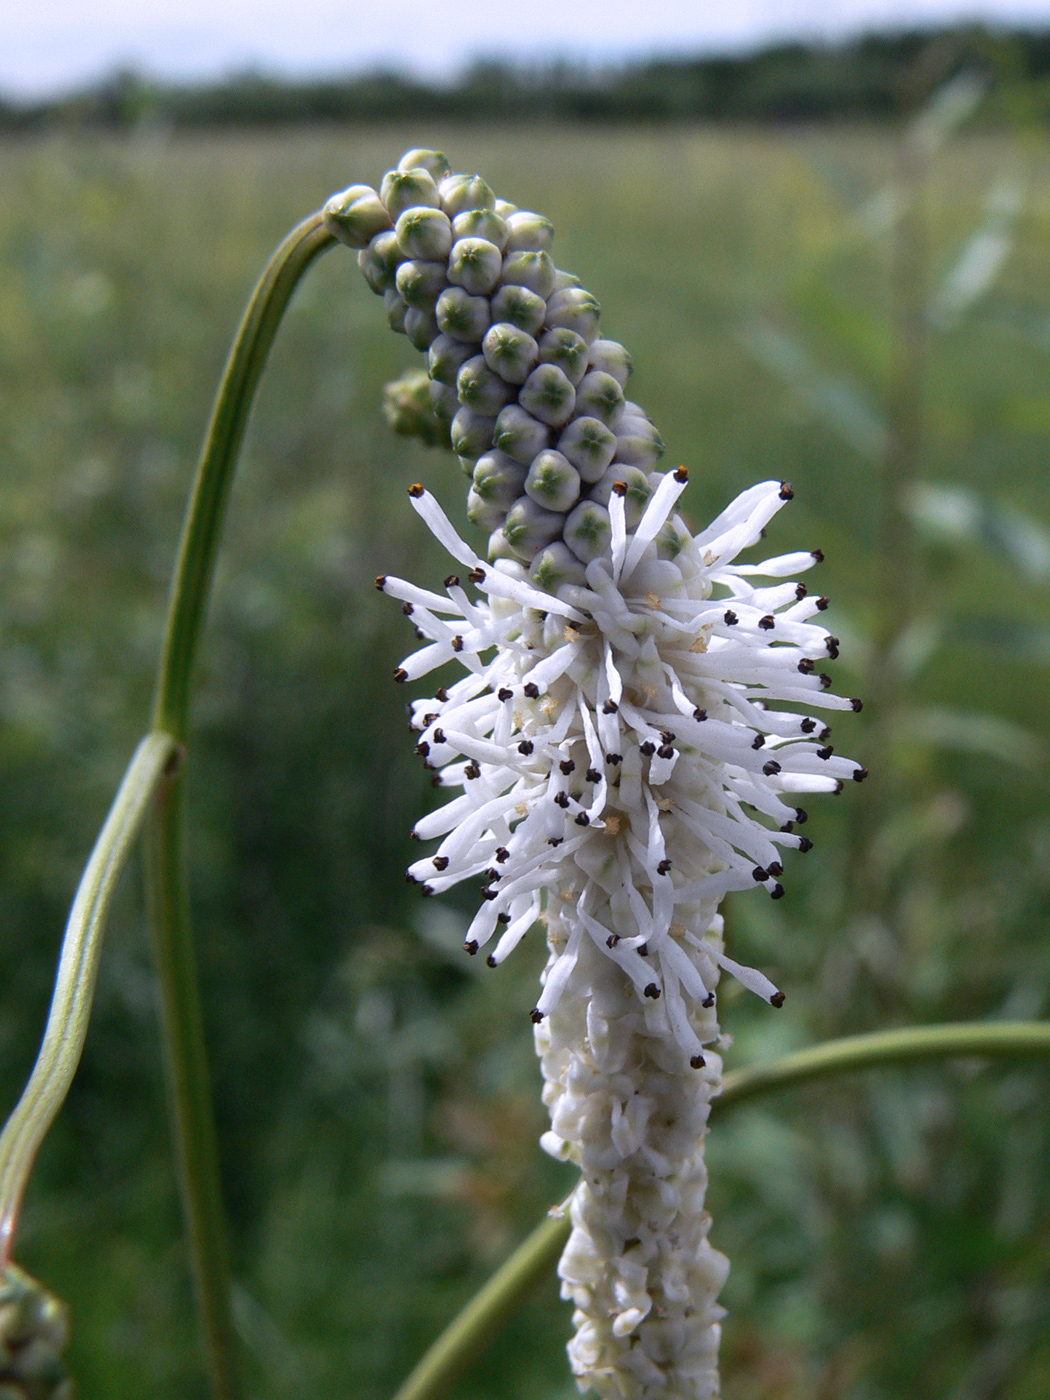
(619,747)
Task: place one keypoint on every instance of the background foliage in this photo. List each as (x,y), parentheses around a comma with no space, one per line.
(377,1093)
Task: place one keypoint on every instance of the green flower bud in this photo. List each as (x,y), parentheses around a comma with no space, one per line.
(471,433)
(355,215)
(637,442)
(574,309)
(444,401)
(498,546)
(511,353)
(34,1332)
(529,233)
(408,408)
(461,193)
(564,280)
(552,481)
(481,223)
(588,531)
(598,396)
(548,395)
(589,445)
(462,316)
(421,327)
(481,389)
(498,479)
(425,233)
(421,283)
(672,539)
(519,307)
(446,358)
(475,264)
(484,514)
(520,435)
(611,357)
(505,209)
(396,306)
(378,262)
(532,270)
(638,493)
(434,163)
(567,350)
(404,189)
(556,565)
(529,528)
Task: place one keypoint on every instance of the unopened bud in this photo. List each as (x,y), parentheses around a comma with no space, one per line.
(528,528)
(498,479)
(563,280)
(548,395)
(421,283)
(671,539)
(636,497)
(556,565)
(638,442)
(461,193)
(598,396)
(575,309)
(588,531)
(486,515)
(567,350)
(511,353)
(404,189)
(471,433)
(435,163)
(529,233)
(34,1333)
(519,307)
(425,233)
(421,327)
(396,306)
(481,389)
(379,261)
(355,215)
(462,316)
(481,223)
(475,265)
(444,401)
(611,357)
(532,270)
(446,357)
(589,445)
(408,408)
(553,482)
(520,435)
(505,209)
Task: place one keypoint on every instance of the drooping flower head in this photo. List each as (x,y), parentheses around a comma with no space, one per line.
(623,745)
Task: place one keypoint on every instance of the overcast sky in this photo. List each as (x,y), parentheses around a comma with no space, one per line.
(49,45)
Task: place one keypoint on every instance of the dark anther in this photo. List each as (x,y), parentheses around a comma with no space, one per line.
(381,582)
(535,1016)
(610,707)
(771,767)
(681,475)
(800,591)
(436,780)
(648,748)
(422,748)
(593,776)
(502,854)
(808,725)
(825,752)
(441,694)
(407,609)
(775,868)
(643,950)
(758,741)
(788,826)
(420,634)
(664,868)
(441,862)
(832,644)
(555,840)
(491,961)
(822,604)
(856,706)
(697,1062)
(525,747)
(801,816)
(492,875)
(567,766)
(582,819)
(699,714)
(472,770)
(415,491)
(490,894)
(777,892)
(777,1000)
(838,787)
(531,689)
(760,873)
(471,946)
(410,879)
(805,844)
(665,751)
(825,681)
(818,556)
(708,1001)
(730,619)
(400,675)
(859,775)
(652,991)
(620,488)
(667,735)
(428,720)
(452,581)
(457,643)
(805,666)
(427,891)
(561,799)
(785,493)
(503,918)
(612,940)
(477,575)
(614,758)
(767,623)
(504,694)
(439,736)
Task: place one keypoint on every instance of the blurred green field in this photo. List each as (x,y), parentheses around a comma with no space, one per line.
(379,1109)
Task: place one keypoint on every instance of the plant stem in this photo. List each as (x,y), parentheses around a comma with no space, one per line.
(467,1335)
(70,1012)
(191,1112)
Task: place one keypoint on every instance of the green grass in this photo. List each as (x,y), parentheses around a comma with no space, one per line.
(377,1093)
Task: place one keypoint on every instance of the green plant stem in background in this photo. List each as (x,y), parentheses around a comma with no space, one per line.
(192,1116)
(468,1334)
(70,1013)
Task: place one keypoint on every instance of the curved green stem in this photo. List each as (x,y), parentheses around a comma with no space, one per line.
(70,1013)
(468,1333)
(189,1093)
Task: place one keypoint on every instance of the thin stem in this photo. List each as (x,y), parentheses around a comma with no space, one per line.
(192,1118)
(70,1013)
(467,1334)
